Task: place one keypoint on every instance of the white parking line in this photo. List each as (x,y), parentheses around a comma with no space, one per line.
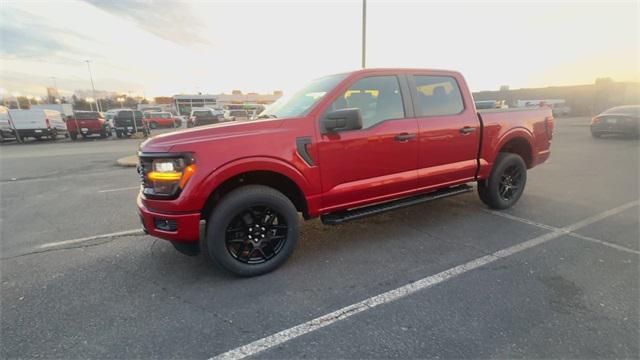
(389,296)
(96,237)
(570,229)
(119,189)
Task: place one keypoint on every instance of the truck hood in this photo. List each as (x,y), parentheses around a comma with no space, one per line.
(228,130)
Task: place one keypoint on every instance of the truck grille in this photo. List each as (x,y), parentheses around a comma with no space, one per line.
(144,166)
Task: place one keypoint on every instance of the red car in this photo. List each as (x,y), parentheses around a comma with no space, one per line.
(88,123)
(161,119)
(345,146)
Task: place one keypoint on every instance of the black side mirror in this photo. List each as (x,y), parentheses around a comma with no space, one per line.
(341,120)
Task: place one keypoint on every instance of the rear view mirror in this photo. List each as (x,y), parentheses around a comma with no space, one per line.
(341,120)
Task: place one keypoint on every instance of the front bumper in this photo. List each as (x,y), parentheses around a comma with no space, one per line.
(187,225)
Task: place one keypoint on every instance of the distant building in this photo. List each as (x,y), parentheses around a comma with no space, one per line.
(184,103)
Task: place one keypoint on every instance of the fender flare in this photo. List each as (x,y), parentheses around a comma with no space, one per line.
(227,171)
(518,132)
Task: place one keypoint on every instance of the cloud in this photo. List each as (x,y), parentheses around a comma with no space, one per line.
(172,21)
(26,36)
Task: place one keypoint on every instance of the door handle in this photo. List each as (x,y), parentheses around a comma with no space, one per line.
(404,137)
(467,130)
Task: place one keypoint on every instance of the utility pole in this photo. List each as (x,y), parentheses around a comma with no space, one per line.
(364,33)
(92,86)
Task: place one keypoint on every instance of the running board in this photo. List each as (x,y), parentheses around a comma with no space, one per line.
(347,215)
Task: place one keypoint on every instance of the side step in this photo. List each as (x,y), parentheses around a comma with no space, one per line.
(343,216)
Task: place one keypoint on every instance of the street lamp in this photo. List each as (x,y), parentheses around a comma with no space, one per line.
(121,101)
(91,101)
(16,94)
(92,86)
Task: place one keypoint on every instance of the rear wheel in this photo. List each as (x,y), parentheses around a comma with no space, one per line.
(252,231)
(53,135)
(596,135)
(506,182)
(119,134)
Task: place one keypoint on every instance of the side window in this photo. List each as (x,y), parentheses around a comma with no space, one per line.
(377,97)
(438,95)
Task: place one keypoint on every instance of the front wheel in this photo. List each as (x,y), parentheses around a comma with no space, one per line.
(252,231)
(74,136)
(506,183)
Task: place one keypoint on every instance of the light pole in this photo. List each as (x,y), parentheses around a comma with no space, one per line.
(121,101)
(16,94)
(91,101)
(92,86)
(364,33)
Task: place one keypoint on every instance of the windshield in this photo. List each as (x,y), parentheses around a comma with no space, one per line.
(303,100)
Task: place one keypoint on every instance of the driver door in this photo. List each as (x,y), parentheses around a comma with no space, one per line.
(378,161)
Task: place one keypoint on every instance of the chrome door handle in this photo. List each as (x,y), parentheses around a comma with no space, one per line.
(467,130)
(404,137)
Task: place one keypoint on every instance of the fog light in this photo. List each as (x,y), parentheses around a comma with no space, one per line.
(166,225)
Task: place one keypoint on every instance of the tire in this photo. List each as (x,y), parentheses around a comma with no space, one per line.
(251,250)
(74,136)
(596,135)
(506,182)
(54,135)
(119,134)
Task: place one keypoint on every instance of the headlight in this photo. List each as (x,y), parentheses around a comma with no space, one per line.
(165,177)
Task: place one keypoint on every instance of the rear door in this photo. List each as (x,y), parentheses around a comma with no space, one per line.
(377,161)
(449,129)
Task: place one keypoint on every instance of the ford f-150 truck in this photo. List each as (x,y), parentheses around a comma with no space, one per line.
(345,146)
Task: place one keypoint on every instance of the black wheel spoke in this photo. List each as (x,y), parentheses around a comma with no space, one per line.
(256,234)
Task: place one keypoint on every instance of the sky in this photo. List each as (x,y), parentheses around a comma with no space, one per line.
(155,48)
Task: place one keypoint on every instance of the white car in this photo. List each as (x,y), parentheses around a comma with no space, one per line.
(38,123)
(6,130)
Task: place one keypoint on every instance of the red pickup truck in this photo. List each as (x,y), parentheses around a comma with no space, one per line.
(343,147)
(88,123)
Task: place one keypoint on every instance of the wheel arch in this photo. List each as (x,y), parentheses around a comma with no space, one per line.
(518,141)
(263,171)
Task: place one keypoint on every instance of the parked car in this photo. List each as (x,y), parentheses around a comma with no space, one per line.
(205,116)
(38,123)
(235,115)
(161,119)
(126,126)
(6,129)
(619,120)
(491,104)
(344,147)
(88,123)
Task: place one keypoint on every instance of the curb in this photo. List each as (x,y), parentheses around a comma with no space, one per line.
(128,161)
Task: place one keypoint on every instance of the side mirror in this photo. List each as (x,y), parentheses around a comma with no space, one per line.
(341,120)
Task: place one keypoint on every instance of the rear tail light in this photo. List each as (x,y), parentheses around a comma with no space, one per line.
(47,122)
(595,120)
(549,124)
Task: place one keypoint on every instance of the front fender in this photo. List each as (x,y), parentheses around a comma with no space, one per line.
(237,167)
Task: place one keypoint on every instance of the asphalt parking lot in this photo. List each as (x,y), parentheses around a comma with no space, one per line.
(554,277)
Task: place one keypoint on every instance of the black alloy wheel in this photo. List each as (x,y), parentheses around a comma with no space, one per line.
(506,183)
(252,230)
(256,235)
(510,182)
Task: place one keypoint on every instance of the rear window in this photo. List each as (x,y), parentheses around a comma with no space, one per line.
(438,95)
(88,115)
(201,113)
